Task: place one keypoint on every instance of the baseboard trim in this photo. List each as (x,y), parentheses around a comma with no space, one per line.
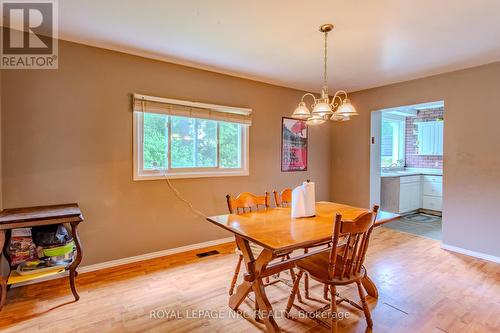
(152,255)
(475,254)
(128,260)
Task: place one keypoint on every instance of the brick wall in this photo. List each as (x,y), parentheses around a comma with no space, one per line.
(411,158)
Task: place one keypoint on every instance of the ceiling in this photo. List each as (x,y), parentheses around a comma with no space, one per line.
(277,41)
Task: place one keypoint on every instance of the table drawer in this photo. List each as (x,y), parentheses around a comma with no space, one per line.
(432,203)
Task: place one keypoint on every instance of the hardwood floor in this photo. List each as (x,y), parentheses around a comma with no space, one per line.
(422,289)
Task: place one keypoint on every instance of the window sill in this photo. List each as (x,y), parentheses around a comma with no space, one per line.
(180,175)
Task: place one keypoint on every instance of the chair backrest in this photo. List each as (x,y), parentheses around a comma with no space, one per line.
(283,199)
(347,259)
(247,202)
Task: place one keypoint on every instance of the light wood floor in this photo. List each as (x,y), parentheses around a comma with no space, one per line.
(422,289)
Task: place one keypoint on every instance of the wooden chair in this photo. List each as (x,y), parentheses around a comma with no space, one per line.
(248,202)
(342,265)
(245,202)
(284,199)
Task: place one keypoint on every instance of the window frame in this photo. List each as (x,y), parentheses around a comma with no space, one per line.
(399,140)
(197,172)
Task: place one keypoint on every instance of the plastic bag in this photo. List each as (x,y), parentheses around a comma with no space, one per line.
(51,235)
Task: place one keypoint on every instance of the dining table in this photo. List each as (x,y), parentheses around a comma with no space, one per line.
(278,234)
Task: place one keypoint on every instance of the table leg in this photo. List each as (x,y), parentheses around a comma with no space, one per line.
(72,268)
(242,290)
(370,287)
(253,282)
(266,309)
(4,276)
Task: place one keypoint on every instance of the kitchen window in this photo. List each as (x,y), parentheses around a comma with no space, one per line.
(180,139)
(392,141)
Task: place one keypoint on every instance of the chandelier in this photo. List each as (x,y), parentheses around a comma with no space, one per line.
(338,109)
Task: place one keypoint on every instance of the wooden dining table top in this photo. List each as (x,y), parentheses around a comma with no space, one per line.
(277,231)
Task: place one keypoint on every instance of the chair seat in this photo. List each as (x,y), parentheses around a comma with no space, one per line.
(317,267)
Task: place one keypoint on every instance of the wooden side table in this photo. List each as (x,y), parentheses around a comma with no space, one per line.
(38,216)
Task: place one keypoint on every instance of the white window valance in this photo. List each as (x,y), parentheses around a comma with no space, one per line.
(175,107)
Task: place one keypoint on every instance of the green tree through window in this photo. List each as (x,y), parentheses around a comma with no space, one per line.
(155,141)
(230,143)
(193,143)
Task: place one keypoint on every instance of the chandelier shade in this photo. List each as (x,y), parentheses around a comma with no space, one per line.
(301,112)
(339,117)
(322,109)
(346,109)
(315,120)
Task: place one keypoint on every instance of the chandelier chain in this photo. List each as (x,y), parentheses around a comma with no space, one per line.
(325,60)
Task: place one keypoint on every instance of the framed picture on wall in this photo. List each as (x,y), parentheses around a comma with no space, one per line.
(293,145)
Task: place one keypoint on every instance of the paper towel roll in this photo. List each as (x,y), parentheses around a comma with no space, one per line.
(303,200)
(298,208)
(310,199)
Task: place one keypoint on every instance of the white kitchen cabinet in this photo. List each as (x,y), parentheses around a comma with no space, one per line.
(430,178)
(432,203)
(410,179)
(434,189)
(406,194)
(430,138)
(432,192)
(409,193)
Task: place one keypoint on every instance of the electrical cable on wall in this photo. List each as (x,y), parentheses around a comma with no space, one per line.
(181,198)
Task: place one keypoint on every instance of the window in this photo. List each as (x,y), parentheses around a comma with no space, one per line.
(185,141)
(392,141)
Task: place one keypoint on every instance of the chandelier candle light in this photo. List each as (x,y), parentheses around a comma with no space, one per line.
(339,109)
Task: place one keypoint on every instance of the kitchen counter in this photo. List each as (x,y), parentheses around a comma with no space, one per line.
(412,172)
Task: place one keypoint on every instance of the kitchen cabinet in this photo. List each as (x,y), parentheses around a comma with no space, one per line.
(432,192)
(406,194)
(409,193)
(409,197)
(432,203)
(430,138)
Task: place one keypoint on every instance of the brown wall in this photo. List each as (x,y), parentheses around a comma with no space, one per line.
(67,137)
(471,189)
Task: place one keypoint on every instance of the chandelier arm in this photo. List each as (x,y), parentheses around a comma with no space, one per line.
(333,103)
(337,95)
(340,92)
(308,94)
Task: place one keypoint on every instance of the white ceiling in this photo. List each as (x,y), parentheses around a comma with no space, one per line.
(375,42)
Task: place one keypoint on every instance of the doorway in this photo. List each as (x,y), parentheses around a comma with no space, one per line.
(406,166)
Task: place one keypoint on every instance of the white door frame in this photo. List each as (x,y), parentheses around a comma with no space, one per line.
(376,120)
